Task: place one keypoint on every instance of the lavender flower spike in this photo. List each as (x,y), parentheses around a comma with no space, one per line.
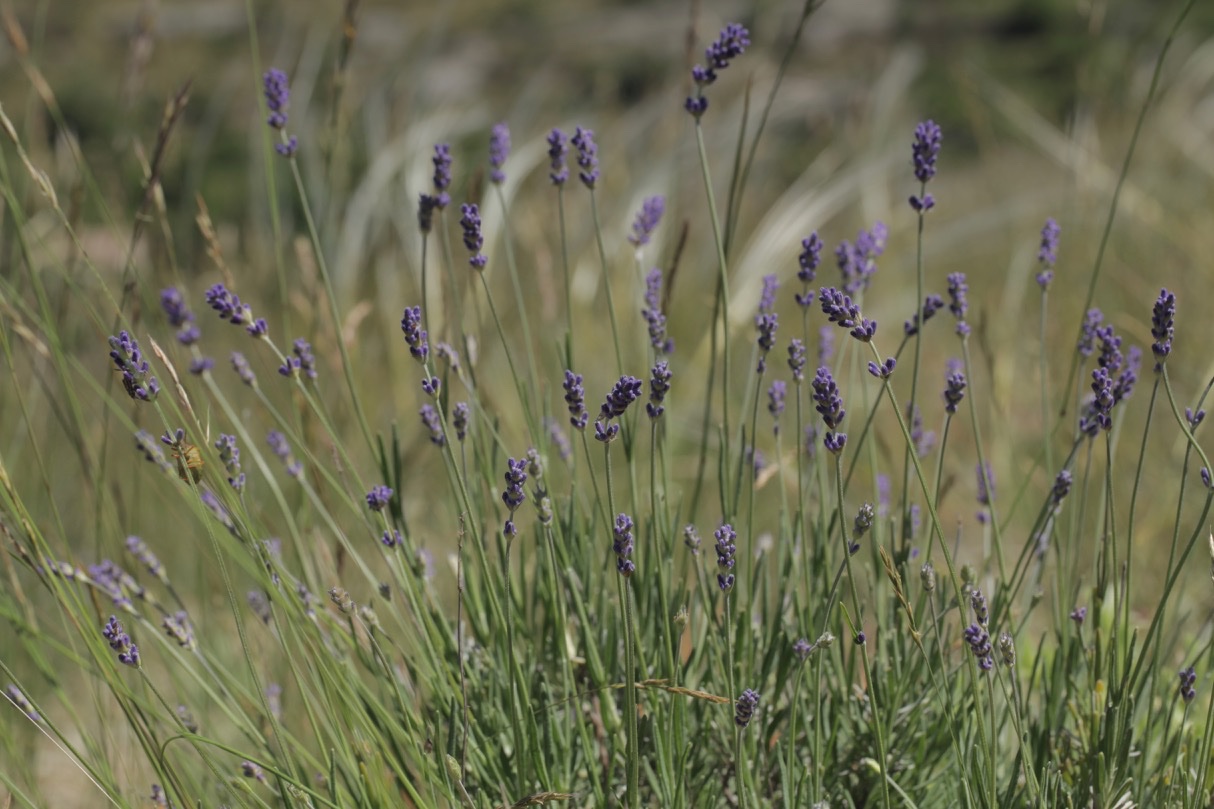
(558,147)
(1047,255)
(626,391)
(726,551)
(1163,319)
(924,153)
(647,220)
(745,707)
(379,497)
(732,43)
(587,156)
(958,302)
(278,95)
(415,335)
(442,174)
(659,386)
(470,221)
(622,545)
(180,316)
(120,642)
(513,496)
(136,378)
(575,400)
(499,150)
(433,422)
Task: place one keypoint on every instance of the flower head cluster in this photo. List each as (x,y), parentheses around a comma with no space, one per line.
(954,386)
(179,315)
(980,644)
(732,42)
(766,325)
(1188,678)
(136,377)
(427,204)
(278,96)
(115,583)
(279,446)
(433,422)
(726,551)
(1194,418)
(302,360)
(931,305)
(883,371)
(1163,319)
(796,360)
(864,520)
(652,312)
(622,545)
(1047,254)
(499,150)
(691,539)
(415,335)
(829,405)
(775,402)
(558,147)
(647,220)
(459,420)
(1007,649)
(858,262)
(840,309)
(513,496)
(120,642)
(139,549)
(232,309)
(745,707)
(808,261)
(587,156)
(575,400)
(229,454)
(177,626)
(442,174)
(470,221)
(659,386)
(1087,333)
(924,152)
(626,391)
(958,302)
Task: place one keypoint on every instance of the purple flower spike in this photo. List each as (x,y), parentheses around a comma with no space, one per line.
(415,335)
(1047,255)
(459,420)
(1087,335)
(427,204)
(647,220)
(745,707)
(775,401)
(622,544)
(1078,615)
(626,391)
(513,496)
(575,400)
(931,305)
(652,312)
(442,174)
(587,156)
(558,147)
(954,388)
(120,642)
(796,360)
(1163,319)
(243,370)
(726,551)
(379,497)
(1194,419)
(924,152)
(810,258)
(180,316)
(278,95)
(1188,677)
(980,644)
(470,221)
(659,386)
(433,423)
(499,150)
(827,400)
(838,307)
(958,301)
(136,377)
(883,371)
(767,325)
(278,445)
(732,42)
(1205,478)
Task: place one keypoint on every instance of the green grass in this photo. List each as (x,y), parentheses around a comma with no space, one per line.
(480,650)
